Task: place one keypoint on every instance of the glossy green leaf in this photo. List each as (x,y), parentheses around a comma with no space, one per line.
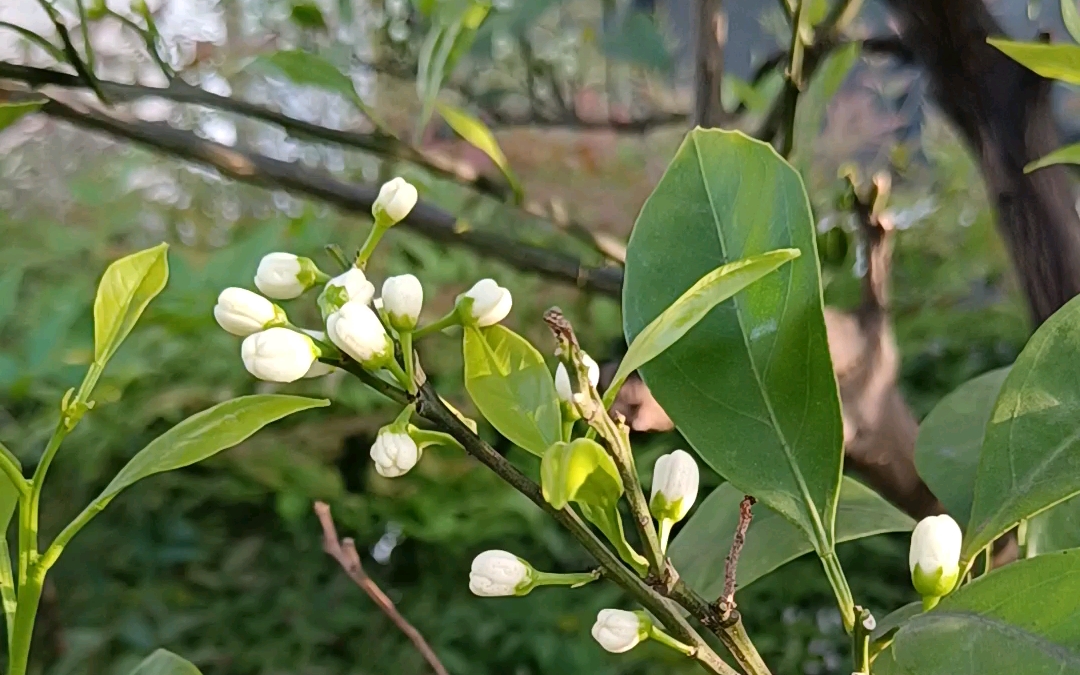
(751,387)
(1031,453)
(951,438)
(1021,618)
(1057,62)
(1070,154)
(480,137)
(311,70)
(127,287)
(693,305)
(512,387)
(10,113)
(1071,17)
(702,544)
(205,434)
(164,662)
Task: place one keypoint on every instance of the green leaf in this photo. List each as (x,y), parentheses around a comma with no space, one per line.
(164,662)
(450,36)
(480,137)
(1070,154)
(127,287)
(205,434)
(1031,453)
(581,471)
(1021,618)
(512,387)
(751,387)
(693,305)
(701,546)
(1071,17)
(951,439)
(311,70)
(308,15)
(1057,62)
(10,113)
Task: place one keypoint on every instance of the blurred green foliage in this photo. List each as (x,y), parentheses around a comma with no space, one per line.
(222,563)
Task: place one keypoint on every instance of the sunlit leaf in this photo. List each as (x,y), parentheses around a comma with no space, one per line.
(127,287)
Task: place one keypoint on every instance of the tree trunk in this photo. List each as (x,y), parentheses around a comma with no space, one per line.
(1004,112)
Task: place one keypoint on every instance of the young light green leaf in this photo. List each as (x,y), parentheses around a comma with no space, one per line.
(1031,450)
(450,36)
(582,472)
(1021,618)
(10,113)
(951,439)
(1070,154)
(751,386)
(692,306)
(164,662)
(701,546)
(127,287)
(205,434)
(479,136)
(512,387)
(1071,18)
(1057,62)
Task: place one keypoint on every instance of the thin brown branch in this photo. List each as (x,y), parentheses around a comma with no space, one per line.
(426,219)
(344,552)
(726,603)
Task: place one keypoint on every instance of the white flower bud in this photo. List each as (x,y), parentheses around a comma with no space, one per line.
(620,631)
(241,312)
(284,276)
(562,378)
(357,331)
(498,573)
(402,298)
(395,453)
(396,199)
(278,354)
(934,557)
(674,486)
(491,302)
(351,286)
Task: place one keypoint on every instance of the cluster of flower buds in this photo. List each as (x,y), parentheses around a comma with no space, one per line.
(357,324)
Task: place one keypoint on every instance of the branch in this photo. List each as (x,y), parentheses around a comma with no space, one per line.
(726,603)
(344,552)
(431,407)
(180,92)
(255,169)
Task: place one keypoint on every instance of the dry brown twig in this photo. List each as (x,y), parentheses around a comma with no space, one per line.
(726,603)
(344,552)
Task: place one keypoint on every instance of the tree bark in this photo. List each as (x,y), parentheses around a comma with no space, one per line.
(1003,110)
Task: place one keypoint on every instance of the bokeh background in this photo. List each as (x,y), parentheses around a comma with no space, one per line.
(222,562)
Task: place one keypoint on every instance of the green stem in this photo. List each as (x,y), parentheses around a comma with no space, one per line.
(374,236)
(399,374)
(405,337)
(665,639)
(665,533)
(840,588)
(29,598)
(7,592)
(574,580)
(451,319)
